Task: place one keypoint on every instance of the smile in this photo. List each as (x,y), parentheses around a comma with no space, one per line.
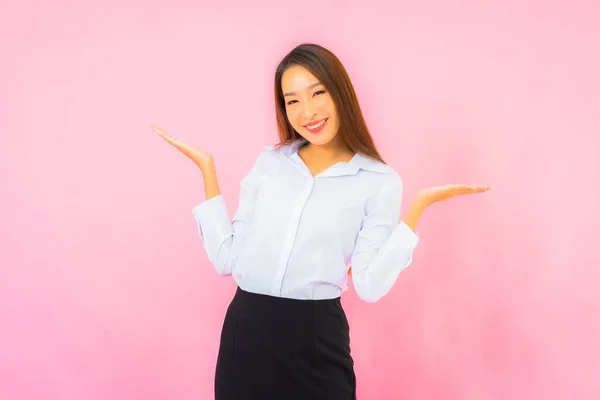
(317,127)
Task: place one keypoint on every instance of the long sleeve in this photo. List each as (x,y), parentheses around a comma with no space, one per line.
(222,237)
(384,247)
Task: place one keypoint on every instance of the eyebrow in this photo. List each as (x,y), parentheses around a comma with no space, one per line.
(309,87)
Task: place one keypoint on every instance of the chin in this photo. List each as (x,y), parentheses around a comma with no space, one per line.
(319,139)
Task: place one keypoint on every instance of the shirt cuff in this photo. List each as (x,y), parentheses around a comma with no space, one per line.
(402,241)
(212,218)
(406,234)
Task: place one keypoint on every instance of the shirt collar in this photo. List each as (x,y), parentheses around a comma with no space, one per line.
(358,162)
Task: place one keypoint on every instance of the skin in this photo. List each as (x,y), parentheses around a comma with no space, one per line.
(308,102)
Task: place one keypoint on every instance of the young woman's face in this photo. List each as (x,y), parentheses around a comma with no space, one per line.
(309,107)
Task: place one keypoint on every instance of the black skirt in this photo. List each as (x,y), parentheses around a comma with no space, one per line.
(284,349)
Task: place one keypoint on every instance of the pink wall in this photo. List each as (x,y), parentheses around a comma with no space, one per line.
(105,290)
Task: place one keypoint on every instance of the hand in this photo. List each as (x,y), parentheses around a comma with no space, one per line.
(200,157)
(436,194)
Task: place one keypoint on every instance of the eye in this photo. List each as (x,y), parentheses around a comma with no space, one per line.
(319,92)
(289,103)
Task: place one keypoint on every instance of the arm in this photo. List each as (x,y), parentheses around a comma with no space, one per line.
(384,247)
(211,183)
(224,238)
(414,212)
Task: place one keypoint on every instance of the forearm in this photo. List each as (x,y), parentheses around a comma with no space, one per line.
(378,267)
(414,212)
(211,183)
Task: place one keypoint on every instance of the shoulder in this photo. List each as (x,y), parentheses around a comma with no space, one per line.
(393,178)
(382,184)
(267,161)
(269,156)
(373,165)
(381,174)
(389,187)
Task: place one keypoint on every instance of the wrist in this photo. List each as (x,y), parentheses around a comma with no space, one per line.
(421,201)
(211,183)
(415,210)
(207,168)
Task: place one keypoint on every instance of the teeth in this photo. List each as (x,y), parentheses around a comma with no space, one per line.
(315,126)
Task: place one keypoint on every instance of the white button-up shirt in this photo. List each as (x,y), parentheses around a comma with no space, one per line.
(295,235)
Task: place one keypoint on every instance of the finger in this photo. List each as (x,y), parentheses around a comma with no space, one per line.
(166,136)
(162,132)
(461,190)
(471,187)
(460,187)
(477,189)
(157,129)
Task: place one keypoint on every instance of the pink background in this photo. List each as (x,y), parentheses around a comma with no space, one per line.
(105,289)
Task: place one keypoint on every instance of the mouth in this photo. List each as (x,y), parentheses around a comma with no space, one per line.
(316,127)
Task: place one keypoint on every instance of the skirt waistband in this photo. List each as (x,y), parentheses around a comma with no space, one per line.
(282,308)
(271,300)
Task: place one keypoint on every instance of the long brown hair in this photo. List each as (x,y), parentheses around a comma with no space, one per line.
(323,64)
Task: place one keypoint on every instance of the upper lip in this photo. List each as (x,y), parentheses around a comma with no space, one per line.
(315,122)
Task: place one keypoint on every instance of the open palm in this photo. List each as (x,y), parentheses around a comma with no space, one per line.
(199,156)
(444,192)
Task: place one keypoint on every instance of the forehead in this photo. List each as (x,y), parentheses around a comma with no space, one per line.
(297,78)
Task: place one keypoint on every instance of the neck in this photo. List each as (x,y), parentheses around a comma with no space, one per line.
(331,150)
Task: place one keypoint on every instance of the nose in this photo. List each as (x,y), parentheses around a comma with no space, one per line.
(308,110)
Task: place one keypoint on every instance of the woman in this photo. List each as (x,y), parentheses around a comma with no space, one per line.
(320,198)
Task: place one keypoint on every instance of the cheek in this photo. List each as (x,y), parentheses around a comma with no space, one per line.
(334,123)
(329,106)
(335,127)
(293,115)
